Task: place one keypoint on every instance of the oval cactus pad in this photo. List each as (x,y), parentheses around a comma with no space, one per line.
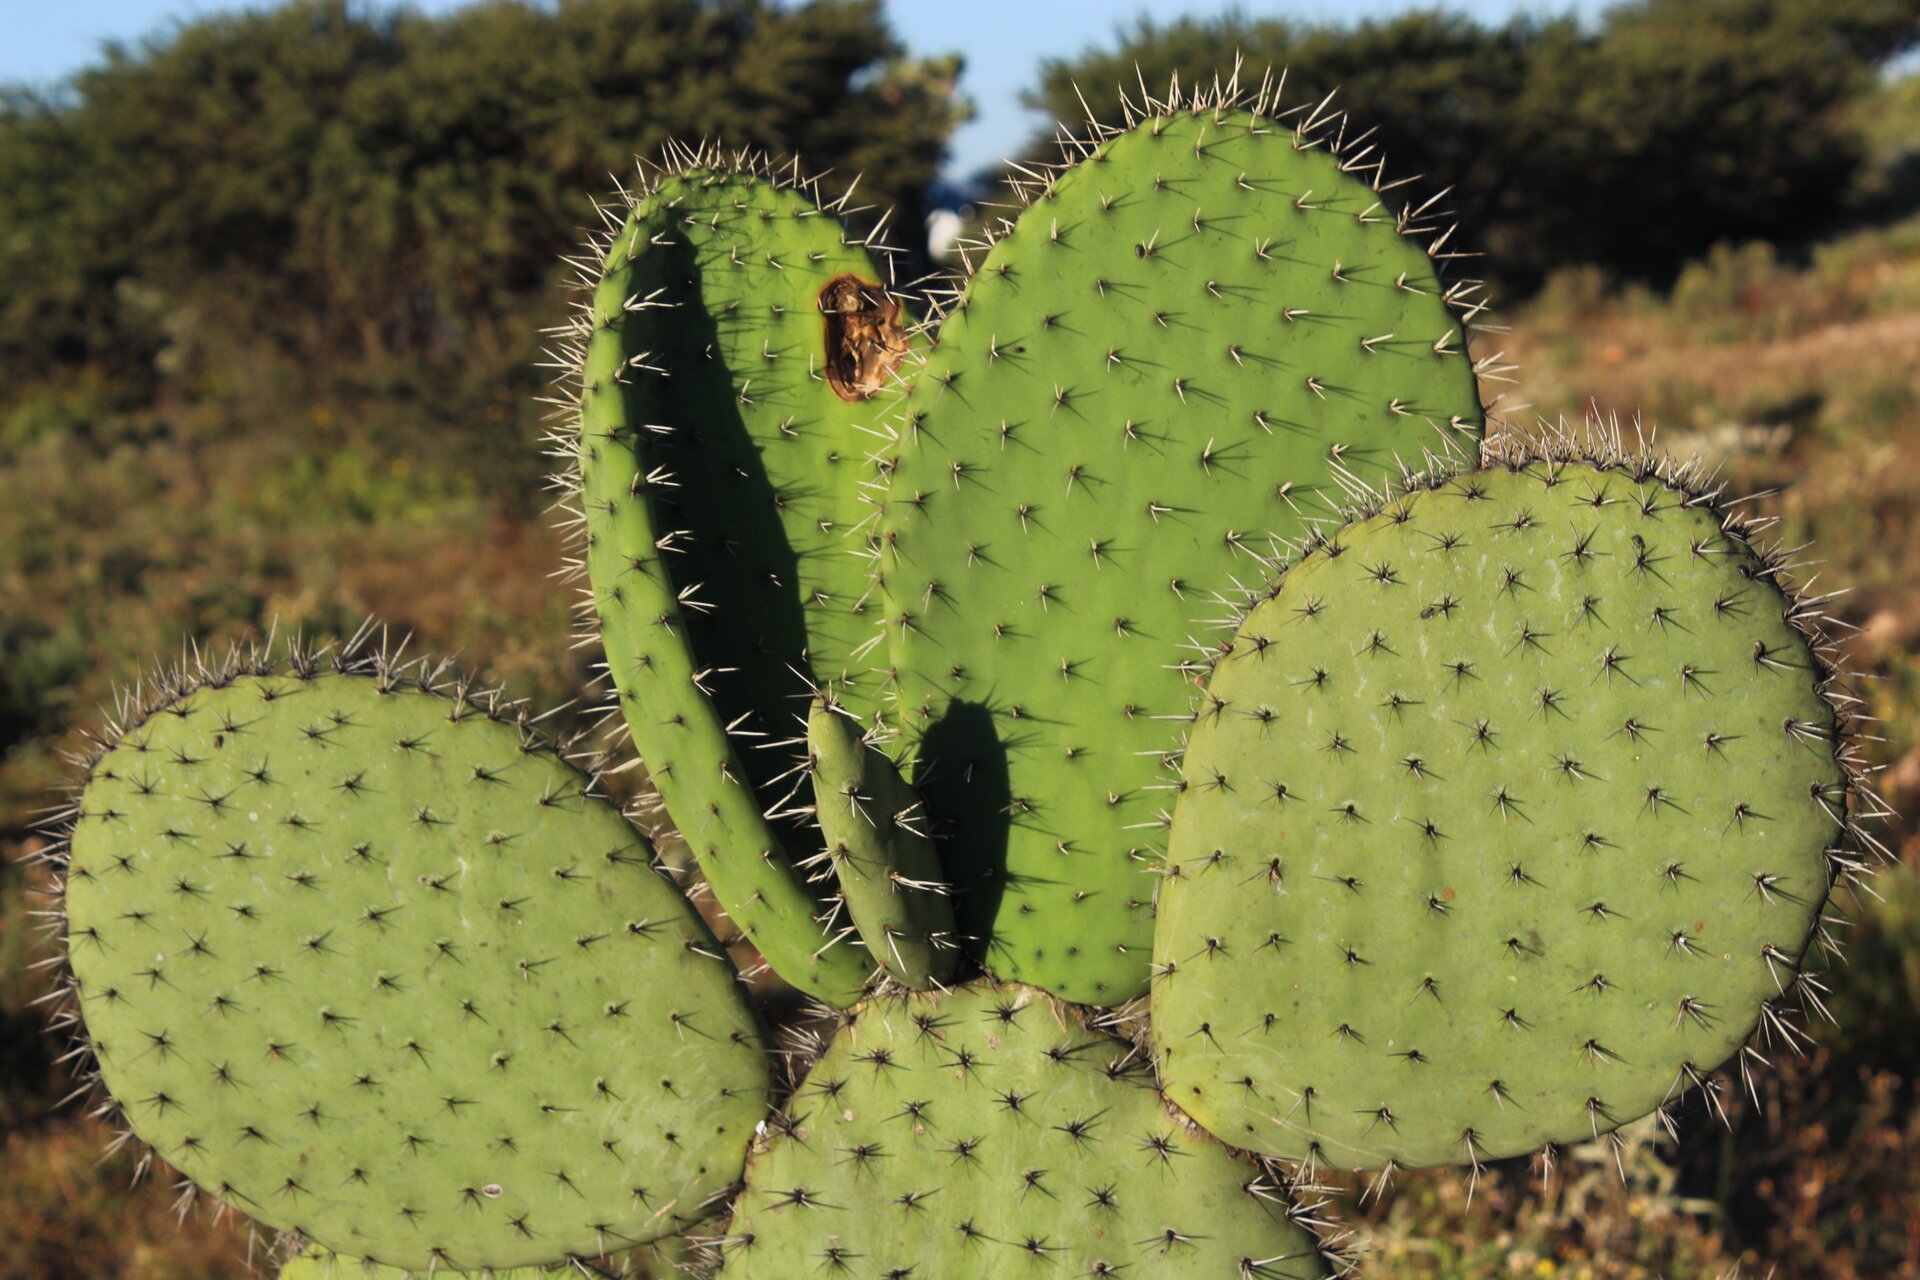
(374,966)
(987,1132)
(1503,821)
(716,451)
(1180,351)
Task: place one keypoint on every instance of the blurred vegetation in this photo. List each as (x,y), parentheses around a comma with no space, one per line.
(341,179)
(270,295)
(1634,143)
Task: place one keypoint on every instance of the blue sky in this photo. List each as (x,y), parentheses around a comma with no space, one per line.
(1003,40)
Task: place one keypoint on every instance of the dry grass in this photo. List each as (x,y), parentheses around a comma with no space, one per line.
(70,1214)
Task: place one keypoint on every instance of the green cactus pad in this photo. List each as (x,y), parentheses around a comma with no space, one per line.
(370,964)
(888,872)
(988,1131)
(1504,820)
(718,471)
(1180,351)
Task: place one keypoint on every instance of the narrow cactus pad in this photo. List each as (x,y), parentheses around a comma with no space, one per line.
(372,965)
(987,1131)
(718,460)
(1503,821)
(1171,359)
(885,864)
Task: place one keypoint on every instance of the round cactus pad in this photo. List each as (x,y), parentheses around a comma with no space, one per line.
(988,1132)
(1503,820)
(1176,355)
(371,965)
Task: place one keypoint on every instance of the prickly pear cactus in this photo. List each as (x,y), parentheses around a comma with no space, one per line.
(367,961)
(884,863)
(1508,817)
(988,1131)
(1183,349)
(720,375)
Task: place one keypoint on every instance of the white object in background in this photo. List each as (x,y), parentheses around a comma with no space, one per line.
(943,234)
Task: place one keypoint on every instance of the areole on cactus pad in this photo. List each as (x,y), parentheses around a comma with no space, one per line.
(364,958)
(1508,817)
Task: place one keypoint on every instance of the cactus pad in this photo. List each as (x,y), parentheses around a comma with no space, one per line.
(888,872)
(1179,352)
(370,964)
(723,366)
(987,1131)
(1504,820)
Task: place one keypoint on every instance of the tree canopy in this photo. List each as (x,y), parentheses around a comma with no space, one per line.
(345,178)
